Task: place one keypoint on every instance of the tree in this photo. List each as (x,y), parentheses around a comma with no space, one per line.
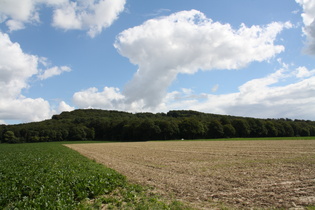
(123,126)
(225,120)
(169,130)
(77,133)
(280,129)
(287,129)
(242,128)
(90,133)
(101,128)
(257,127)
(215,129)
(272,131)
(128,131)
(190,128)
(229,131)
(305,131)
(3,129)
(148,130)
(312,131)
(9,137)
(115,131)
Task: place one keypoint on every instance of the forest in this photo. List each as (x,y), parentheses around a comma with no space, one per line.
(93,124)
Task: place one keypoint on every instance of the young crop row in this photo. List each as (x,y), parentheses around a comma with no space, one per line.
(51,176)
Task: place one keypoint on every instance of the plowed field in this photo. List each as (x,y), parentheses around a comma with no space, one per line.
(215,174)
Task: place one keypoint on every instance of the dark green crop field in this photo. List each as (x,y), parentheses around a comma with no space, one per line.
(51,176)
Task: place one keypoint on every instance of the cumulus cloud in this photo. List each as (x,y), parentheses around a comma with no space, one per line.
(16,13)
(64,107)
(19,12)
(54,71)
(91,15)
(308,16)
(186,42)
(25,109)
(109,98)
(261,97)
(16,68)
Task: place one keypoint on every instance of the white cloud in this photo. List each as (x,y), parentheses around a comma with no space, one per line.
(93,16)
(302,72)
(187,91)
(186,42)
(54,71)
(262,98)
(215,88)
(25,109)
(65,17)
(158,12)
(308,16)
(16,13)
(63,106)
(15,25)
(16,68)
(262,83)
(109,98)
(18,10)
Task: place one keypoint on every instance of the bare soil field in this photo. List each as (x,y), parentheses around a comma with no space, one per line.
(217,174)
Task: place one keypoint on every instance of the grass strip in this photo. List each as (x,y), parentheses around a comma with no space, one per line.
(252,139)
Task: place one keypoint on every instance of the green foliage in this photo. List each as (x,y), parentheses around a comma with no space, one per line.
(257,127)
(169,129)
(229,131)
(242,127)
(51,176)
(9,137)
(215,129)
(191,128)
(148,130)
(271,129)
(90,124)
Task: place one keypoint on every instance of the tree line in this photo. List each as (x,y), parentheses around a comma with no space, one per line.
(91,124)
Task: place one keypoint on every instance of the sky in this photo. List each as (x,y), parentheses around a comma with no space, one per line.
(251,58)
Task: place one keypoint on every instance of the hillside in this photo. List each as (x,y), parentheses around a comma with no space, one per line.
(92,124)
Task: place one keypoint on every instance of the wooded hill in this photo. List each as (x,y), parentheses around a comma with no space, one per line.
(92,124)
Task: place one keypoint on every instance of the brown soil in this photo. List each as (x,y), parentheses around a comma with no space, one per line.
(216,174)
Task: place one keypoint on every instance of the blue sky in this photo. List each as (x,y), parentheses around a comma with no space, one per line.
(244,58)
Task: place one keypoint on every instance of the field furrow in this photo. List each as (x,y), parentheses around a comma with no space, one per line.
(241,174)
